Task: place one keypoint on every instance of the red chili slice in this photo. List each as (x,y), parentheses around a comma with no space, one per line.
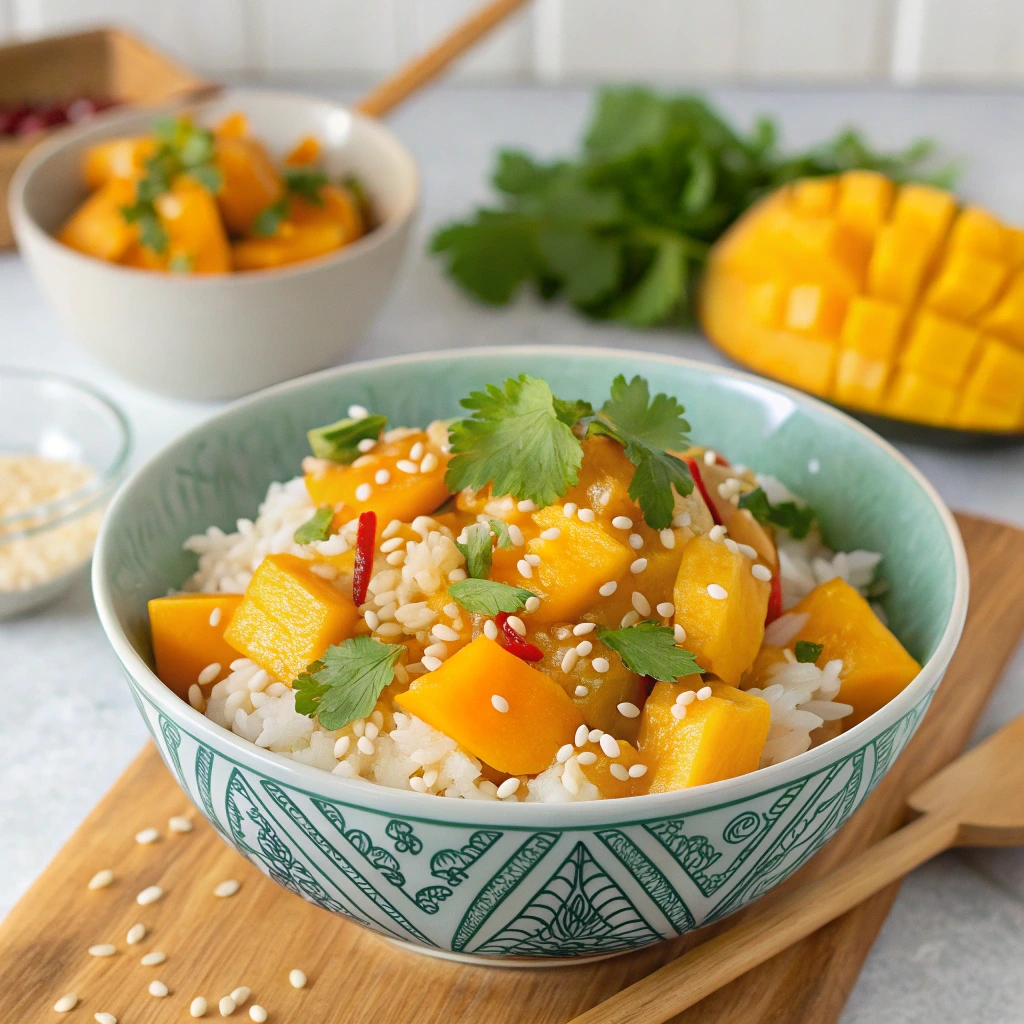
(699,481)
(774,598)
(366,541)
(514,643)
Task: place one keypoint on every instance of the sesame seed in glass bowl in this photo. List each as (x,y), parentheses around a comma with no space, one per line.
(63,450)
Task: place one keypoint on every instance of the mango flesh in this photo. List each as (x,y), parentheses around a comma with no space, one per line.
(185,641)
(888,299)
(195,234)
(250,181)
(458,699)
(718,738)
(289,616)
(724,633)
(98,228)
(116,158)
(600,772)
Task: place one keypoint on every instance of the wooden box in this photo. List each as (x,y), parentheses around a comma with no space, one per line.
(105,62)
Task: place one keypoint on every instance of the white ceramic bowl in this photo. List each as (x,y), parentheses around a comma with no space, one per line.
(226,335)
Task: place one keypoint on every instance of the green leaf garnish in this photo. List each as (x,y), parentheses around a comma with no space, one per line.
(269,219)
(516,441)
(649,649)
(646,428)
(305,182)
(318,527)
(339,442)
(501,534)
(786,515)
(345,683)
(807,653)
(477,550)
(181,263)
(488,597)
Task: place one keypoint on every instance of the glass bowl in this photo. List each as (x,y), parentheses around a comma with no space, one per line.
(63,450)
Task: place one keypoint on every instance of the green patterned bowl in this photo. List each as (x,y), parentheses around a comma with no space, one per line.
(529,883)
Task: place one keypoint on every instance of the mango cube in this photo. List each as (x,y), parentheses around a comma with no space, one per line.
(939,348)
(977,231)
(865,198)
(916,397)
(1006,318)
(994,396)
(815,197)
(966,284)
(610,784)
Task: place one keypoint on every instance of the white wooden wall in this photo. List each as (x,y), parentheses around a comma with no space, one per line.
(974,41)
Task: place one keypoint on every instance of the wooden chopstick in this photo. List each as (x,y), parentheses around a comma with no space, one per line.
(420,70)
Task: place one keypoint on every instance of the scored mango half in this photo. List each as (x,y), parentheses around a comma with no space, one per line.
(884,298)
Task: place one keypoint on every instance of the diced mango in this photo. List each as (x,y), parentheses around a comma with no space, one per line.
(188,636)
(724,633)
(293,243)
(603,484)
(876,666)
(768,303)
(977,231)
(815,197)
(815,310)
(405,495)
(465,699)
(289,617)
(196,242)
(250,181)
(898,265)
(758,674)
(966,284)
(718,738)
(915,397)
(116,158)
(939,349)
(868,344)
(1006,318)
(924,211)
(994,396)
(98,228)
(600,772)
(336,209)
(865,198)
(234,126)
(305,151)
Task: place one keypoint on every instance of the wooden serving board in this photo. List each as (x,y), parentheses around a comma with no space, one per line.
(255,937)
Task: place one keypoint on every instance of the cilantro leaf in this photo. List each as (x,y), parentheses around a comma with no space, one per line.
(787,515)
(807,653)
(646,428)
(501,534)
(305,182)
(339,441)
(659,291)
(488,597)
(516,441)
(317,527)
(269,219)
(588,265)
(181,263)
(345,683)
(477,550)
(649,649)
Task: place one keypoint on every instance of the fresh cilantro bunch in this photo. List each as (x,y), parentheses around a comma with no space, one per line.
(623,229)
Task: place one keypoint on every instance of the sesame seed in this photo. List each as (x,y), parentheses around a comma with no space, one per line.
(158,989)
(637,770)
(179,823)
(443,632)
(195,697)
(136,934)
(731,545)
(499,703)
(431,663)
(587,757)
(619,771)
(525,569)
(104,1018)
(595,735)
(101,879)
(607,589)
(357,412)
(813,466)
(391,529)
(388,629)
(666,609)
(641,604)
(584,647)
(438,650)
(198,1007)
(681,520)
(227,888)
(363,491)
(532,604)
(397,558)
(226,1006)
(719,593)
(367,444)
(678,634)
(152,959)
(569,509)
(747,550)
(490,630)
(66,1003)
(581,690)
(582,628)
(570,784)
(257,1013)
(456,575)
(667,538)
(569,660)
(534,560)
(585,515)
(149,895)
(517,624)
(341,746)
(636,542)
(686,697)
(215,617)
(516,536)
(678,710)
(417,785)
(241,994)
(406,466)
(710,458)
(429,463)
(609,744)
(622,523)
(451,609)
(580,738)
(638,566)
(104,949)
(553,533)
(429,778)
(628,710)
(605,499)
(507,788)
(703,693)
(365,746)
(565,751)
(760,572)
(416,451)
(382,476)
(209,673)
(371,618)
(526,505)
(297,979)
(600,665)
(147,836)
(359,727)
(717,533)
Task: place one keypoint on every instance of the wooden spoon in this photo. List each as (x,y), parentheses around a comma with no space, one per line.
(978,800)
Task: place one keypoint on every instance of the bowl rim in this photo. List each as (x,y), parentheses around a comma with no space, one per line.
(583,815)
(88,497)
(23,221)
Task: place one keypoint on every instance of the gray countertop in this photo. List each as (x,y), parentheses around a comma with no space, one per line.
(953,948)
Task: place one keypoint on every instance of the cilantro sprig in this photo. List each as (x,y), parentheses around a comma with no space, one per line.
(787,515)
(345,683)
(305,182)
(807,652)
(317,527)
(477,550)
(339,442)
(649,649)
(488,597)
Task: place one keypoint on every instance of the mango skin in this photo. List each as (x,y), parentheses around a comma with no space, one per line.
(888,299)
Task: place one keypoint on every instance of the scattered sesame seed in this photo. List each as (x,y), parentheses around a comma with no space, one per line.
(367,444)
(104,1018)
(703,693)
(499,703)
(517,624)
(429,778)
(595,735)
(451,609)
(363,492)
(731,545)
(581,690)
(719,593)
(628,710)
(552,533)
(357,412)
(507,788)
(586,757)
(417,785)
(570,784)
(710,458)
(569,659)
(582,628)
(371,618)
(619,771)
(584,647)
(760,572)
(607,589)
(227,888)
(490,630)
(209,673)
(104,949)
(226,1006)
(406,466)
(638,566)
(534,560)
(66,1003)
(580,739)
(344,769)
(681,520)
(600,665)
(392,528)
(147,836)
(622,523)
(525,569)
(398,557)
(747,550)
(101,879)
(678,710)
(388,629)
(456,575)
(813,466)
(605,499)
(516,535)
(678,634)
(215,617)
(158,989)
(641,604)
(365,745)
(438,650)
(257,1013)
(443,632)
(241,994)
(667,538)
(637,770)
(526,505)
(585,515)
(416,451)
(430,663)
(532,604)
(297,979)
(152,959)
(149,895)
(609,744)
(717,533)
(136,934)
(636,542)
(198,1007)
(565,751)
(666,609)
(179,823)
(429,463)
(382,476)
(195,697)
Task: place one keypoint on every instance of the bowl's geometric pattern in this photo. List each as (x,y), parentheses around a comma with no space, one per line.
(522,893)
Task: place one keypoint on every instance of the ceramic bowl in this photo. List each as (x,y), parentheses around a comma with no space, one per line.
(207,337)
(530,883)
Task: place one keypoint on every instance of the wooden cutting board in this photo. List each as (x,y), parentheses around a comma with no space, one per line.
(256,937)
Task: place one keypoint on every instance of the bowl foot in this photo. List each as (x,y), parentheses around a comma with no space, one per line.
(506,962)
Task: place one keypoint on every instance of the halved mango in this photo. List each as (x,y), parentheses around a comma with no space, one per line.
(98,227)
